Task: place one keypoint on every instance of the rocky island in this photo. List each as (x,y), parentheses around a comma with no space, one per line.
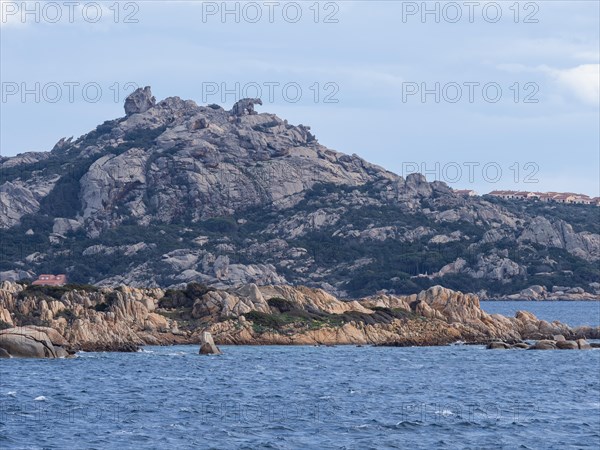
(57,321)
(182,222)
(174,193)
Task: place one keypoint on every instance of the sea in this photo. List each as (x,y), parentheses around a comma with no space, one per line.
(305,397)
(573,313)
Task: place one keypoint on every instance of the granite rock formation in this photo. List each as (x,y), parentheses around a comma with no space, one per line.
(174,192)
(125,318)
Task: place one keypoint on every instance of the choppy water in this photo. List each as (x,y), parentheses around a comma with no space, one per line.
(573,313)
(304,397)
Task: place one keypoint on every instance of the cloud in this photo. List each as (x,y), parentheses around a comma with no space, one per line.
(583,81)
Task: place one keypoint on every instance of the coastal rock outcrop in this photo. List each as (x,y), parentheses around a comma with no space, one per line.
(33,342)
(125,318)
(120,319)
(558,342)
(538,292)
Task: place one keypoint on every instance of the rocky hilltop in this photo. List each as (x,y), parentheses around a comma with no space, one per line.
(124,318)
(174,192)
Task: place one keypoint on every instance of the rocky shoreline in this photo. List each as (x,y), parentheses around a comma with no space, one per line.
(124,319)
(557,293)
(558,342)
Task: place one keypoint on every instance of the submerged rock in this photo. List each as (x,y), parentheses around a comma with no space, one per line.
(521,345)
(498,346)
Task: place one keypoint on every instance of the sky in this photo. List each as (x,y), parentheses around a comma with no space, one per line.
(481,95)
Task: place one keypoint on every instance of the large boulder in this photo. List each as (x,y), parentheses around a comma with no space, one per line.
(245,106)
(139,101)
(521,345)
(544,344)
(583,344)
(498,346)
(567,345)
(30,342)
(454,306)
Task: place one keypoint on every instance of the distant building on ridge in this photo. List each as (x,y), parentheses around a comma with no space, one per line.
(50,280)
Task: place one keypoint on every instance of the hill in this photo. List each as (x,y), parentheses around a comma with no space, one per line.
(174,192)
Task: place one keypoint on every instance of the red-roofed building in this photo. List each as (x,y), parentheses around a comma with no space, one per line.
(50,280)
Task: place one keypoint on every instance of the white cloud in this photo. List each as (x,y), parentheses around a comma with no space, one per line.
(583,81)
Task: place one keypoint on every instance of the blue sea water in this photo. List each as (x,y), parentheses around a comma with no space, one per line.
(285,397)
(573,313)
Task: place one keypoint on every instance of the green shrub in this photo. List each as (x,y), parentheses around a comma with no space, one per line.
(272,321)
(111,298)
(54,292)
(102,307)
(176,298)
(68,314)
(221,225)
(106,127)
(63,200)
(32,319)
(294,317)
(280,304)
(196,290)
(81,287)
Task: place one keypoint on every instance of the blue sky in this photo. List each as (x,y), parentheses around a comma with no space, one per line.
(370,60)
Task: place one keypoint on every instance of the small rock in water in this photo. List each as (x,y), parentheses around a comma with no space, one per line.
(567,345)
(544,344)
(523,345)
(207,345)
(583,344)
(558,338)
(498,346)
